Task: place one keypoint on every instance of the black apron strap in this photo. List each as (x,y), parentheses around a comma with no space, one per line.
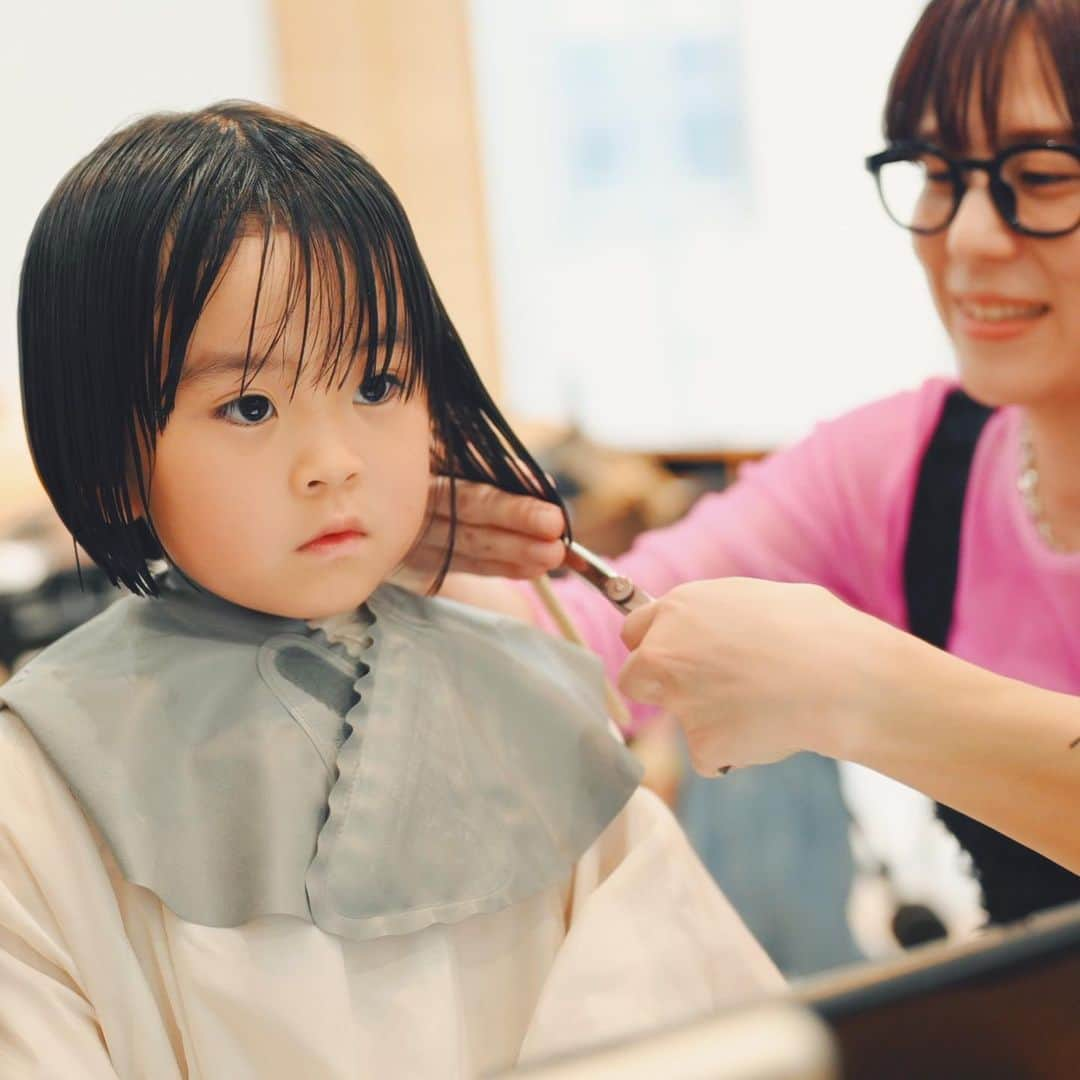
(932,558)
(1016,881)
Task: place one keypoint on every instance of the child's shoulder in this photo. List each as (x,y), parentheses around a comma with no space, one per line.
(135,636)
(123,614)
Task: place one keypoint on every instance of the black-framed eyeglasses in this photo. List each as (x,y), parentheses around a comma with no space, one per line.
(1035,186)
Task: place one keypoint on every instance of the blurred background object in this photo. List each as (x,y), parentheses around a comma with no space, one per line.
(616,494)
(45,588)
(687,252)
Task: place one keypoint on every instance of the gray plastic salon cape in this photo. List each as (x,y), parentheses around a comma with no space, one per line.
(415,763)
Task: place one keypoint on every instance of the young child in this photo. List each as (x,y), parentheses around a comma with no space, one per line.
(269,816)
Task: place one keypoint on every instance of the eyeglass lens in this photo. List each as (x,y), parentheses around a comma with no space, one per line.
(919,193)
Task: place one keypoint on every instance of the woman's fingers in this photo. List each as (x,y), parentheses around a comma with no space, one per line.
(486,506)
(637,624)
(487,551)
(495,533)
(490,542)
(746,667)
(642,679)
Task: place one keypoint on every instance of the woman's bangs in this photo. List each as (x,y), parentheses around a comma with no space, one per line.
(956,59)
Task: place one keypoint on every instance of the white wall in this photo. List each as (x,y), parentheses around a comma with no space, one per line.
(71,71)
(734,309)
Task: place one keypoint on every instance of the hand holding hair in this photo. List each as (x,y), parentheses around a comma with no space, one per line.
(497,533)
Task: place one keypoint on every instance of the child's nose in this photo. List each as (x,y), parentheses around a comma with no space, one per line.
(326,464)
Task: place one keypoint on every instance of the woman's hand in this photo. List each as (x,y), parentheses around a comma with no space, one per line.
(497,534)
(753,670)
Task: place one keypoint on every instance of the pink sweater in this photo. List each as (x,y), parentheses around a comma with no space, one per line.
(833,509)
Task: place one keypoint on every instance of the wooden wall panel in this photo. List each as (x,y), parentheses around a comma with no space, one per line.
(394,78)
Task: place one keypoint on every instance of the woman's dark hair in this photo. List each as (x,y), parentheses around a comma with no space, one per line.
(959,46)
(124,257)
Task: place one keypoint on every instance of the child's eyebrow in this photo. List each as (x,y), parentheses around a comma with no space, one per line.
(210,366)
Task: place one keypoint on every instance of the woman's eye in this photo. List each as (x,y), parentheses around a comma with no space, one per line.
(1044,180)
(247,410)
(378,389)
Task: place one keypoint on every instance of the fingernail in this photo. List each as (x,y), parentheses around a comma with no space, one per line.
(550,519)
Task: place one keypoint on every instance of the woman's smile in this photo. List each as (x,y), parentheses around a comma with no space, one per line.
(992,317)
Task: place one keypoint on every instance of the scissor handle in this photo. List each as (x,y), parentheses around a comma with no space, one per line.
(625,595)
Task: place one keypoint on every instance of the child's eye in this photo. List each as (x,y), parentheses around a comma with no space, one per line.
(378,389)
(248,410)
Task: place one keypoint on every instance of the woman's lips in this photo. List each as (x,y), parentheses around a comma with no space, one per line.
(996,318)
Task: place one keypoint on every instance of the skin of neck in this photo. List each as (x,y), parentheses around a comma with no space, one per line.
(1055,439)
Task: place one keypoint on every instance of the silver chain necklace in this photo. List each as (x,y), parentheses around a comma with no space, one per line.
(1027,483)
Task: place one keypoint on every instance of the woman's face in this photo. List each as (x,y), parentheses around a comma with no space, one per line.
(1010,303)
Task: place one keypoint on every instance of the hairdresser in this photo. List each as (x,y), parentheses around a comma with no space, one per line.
(944,520)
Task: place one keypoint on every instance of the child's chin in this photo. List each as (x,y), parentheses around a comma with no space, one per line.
(333,588)
(325,607)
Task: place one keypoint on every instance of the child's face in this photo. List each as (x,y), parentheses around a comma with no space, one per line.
(243,486)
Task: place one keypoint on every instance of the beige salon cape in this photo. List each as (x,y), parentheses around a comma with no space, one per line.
(99,979)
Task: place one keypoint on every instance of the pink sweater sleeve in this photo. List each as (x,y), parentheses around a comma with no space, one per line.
(831,509)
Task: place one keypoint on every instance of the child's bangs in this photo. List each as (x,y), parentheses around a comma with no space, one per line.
(345,292)
(955,63)
(346,311)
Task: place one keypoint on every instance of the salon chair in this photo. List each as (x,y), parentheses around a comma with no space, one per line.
(1004,1005)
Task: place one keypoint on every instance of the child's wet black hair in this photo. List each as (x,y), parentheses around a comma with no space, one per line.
(124,257)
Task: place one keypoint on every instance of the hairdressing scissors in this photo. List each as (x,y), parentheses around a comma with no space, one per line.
(618,589)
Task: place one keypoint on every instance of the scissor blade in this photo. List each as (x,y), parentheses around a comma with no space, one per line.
(619,590)
(591,567)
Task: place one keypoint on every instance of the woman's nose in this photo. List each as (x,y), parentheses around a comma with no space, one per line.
(978,230)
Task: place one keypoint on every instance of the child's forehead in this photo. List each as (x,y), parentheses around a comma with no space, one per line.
(264,301)
(271,271)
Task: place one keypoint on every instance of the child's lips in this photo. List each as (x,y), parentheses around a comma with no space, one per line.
(337,538)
